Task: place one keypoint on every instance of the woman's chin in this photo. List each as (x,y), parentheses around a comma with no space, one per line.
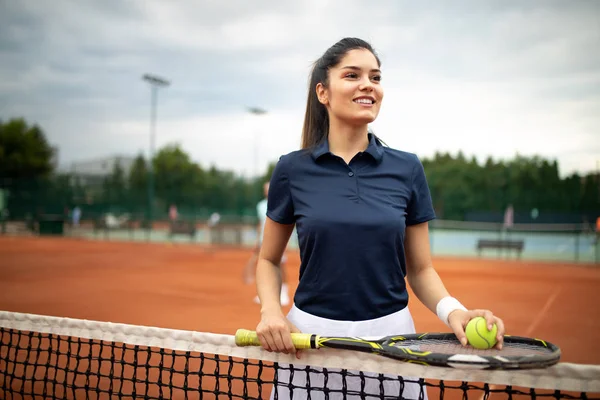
(362,119)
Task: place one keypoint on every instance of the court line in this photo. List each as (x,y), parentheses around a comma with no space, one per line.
(542,313)
(533,325)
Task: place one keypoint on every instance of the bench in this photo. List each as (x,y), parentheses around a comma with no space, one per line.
(226,234)
(517,245)
(101,226)
(181,227)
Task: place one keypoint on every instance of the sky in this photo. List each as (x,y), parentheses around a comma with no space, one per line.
(488,78)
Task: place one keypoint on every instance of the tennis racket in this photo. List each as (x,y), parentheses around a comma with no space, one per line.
(437,349)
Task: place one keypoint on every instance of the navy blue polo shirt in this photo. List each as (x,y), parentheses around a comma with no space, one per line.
(351,221)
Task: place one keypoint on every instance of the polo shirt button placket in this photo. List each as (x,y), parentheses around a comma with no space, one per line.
(356,195)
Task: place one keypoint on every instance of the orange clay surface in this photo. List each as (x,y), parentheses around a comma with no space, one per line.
(196,288)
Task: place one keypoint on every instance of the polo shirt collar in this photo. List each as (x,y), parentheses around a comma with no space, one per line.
(375,148)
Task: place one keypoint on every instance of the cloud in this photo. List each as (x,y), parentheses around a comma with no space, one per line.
(488,78)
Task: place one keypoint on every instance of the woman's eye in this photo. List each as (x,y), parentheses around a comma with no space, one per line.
(351,75)
(377,78)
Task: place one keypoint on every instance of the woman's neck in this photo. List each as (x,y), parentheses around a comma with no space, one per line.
(346,140)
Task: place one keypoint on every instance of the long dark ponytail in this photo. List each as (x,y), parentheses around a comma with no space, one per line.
(316,118)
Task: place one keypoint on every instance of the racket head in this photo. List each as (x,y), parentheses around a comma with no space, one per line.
(444,349)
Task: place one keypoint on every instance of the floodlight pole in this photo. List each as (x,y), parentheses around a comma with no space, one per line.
(155,83)
(256,111)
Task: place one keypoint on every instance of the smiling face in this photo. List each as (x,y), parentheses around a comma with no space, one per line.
(353,93)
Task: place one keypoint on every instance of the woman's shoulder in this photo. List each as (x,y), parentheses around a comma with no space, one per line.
(288,164)
(401,155)
(293,159)
(295,155)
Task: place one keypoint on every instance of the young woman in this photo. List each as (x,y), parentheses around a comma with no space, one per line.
(361,213)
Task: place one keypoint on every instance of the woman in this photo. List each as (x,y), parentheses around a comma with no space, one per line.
(361,213)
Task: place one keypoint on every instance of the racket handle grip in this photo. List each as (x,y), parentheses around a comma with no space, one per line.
(245,337)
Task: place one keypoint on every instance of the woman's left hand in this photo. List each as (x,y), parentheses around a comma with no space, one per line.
(458,320)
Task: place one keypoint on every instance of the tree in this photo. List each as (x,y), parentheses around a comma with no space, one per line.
(177,179)
(115,189)
(24,151)
(461,188)
(138,184)
(590,197)
(26,164)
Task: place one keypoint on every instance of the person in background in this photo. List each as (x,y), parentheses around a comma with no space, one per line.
(173,213)
(212,223)
(76,216)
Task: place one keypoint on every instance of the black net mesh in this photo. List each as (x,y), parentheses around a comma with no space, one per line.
(47,366)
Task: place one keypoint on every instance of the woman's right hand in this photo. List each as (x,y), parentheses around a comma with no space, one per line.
(274,332)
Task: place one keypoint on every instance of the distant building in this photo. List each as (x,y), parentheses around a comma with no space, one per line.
(90,175)
(94,171)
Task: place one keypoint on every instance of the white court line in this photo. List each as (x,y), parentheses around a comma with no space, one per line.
(542,313)
(533,325)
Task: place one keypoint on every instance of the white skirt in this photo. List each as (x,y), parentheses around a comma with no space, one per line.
(400,322)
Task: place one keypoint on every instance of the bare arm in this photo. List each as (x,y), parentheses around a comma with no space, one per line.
(268,273)
(274,329)
(429,288)
(422,277)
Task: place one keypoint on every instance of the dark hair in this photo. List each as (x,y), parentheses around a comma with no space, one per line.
(316,119)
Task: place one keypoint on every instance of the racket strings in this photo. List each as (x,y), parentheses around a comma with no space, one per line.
(446,346)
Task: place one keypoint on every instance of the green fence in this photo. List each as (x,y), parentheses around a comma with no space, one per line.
(45,206)
(27,199)
(552,242)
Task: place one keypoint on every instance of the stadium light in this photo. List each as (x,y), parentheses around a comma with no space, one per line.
(256,111)
(155,83)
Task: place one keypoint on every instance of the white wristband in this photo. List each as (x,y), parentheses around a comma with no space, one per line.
(445,306)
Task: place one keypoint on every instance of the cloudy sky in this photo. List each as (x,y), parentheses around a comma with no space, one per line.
(490,78)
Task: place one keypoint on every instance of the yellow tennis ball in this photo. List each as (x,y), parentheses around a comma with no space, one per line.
(478,334)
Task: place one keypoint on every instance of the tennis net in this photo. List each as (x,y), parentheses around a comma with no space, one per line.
(62,358)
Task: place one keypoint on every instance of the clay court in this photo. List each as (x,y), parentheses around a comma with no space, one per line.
(198,288)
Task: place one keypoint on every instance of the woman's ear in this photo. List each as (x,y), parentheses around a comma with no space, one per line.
(322,95)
